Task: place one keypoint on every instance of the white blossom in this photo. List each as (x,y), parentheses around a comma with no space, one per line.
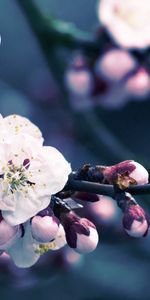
(29,174)
(127,21)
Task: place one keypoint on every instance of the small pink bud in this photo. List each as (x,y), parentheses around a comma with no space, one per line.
(78,77)
(115,64)
(44,229)
(126,173)
(135,221)
(8,234)
(139,84)
(105,210)
(81,234)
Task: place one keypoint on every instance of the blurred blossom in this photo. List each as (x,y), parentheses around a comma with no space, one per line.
(139,84)
(72,258)
(115,64)
(106,210)
(127,21)
(78,77)
(115,97)
(81,103)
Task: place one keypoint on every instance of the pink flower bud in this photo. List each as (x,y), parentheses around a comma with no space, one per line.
(45,228)
(81,234)
(8,234)
(126,173)
(115,64)
(135,221)
(139,84)
(78,77)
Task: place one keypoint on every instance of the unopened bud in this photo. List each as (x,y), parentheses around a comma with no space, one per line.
(108,66)
(139,84)
(125,173)
(135,221)
(44,229)
(78,77)
(81,234)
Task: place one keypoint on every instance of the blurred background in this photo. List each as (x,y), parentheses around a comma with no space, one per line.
(91,117)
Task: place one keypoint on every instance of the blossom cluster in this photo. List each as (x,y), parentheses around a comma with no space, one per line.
(135,220)
(103,82)
(30,173)
(37,212)
(120,71)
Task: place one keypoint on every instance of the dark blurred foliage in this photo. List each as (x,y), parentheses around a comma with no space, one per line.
(119,267)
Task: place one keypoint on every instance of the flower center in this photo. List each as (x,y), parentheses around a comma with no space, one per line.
(14,177)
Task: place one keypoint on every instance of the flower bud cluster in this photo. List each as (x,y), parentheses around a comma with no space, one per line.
(121,176)
(36,213)
(135,221)
(113,76)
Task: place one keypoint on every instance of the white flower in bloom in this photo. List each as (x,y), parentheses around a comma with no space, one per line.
(127,21)
(23,252)
(15,125)
(29,174)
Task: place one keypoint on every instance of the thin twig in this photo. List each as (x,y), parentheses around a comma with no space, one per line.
(103,189)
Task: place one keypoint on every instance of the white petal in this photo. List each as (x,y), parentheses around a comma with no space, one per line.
(15,124)
(49,171)
(23,252)
(7,202)
(127,21)
(26,207)
(21,147)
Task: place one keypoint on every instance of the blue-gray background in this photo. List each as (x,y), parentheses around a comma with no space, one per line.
(119,268)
